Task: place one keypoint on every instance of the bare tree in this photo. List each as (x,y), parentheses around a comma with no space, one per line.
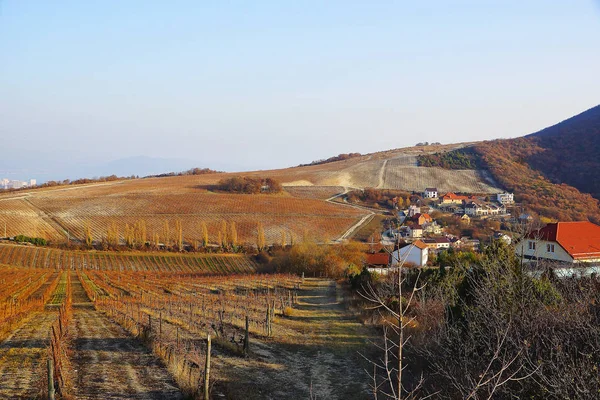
(396,320)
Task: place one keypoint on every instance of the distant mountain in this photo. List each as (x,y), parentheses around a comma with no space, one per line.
(553,170)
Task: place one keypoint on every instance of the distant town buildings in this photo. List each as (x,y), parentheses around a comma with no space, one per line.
(430,193)
(505,198)
(16,184)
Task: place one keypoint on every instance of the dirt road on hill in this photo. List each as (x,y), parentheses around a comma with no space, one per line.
(381,174)
(316,346)
(110,364)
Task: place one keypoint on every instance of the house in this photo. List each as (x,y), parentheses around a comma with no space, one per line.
(451,198)
(415,253)
(377,260)
(572,242)
(455,242)
(437,243)
(412,210)
(503,237)
(416,231)
(466,219)
(433,228)
(430,193)
(474,208)
(422,219)
(505,198)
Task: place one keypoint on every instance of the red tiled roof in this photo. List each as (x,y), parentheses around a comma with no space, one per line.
(424,215)
(420,245)
(580,239)
(378,259)
(453,196)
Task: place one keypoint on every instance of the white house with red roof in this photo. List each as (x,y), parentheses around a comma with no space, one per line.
(415,253)
(573,242)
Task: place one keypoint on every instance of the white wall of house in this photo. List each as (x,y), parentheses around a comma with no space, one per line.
(416,233)
(526,248)
(410,254)
(505,198)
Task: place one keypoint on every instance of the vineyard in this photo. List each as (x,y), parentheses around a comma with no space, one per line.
(48,258)
(103,332)
(156,202)
(82,211)
(402,173)
(17,216)
(314,192)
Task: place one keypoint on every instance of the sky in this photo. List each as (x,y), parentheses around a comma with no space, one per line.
(241,85)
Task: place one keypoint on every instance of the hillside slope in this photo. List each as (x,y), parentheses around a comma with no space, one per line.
(392,169)
(571,151)
(552,171)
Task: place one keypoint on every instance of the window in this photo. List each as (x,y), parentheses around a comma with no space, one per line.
(550,248)
(531,245)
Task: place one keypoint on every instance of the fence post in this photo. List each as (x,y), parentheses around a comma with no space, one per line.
(207,370)
(51,391)
(247,336)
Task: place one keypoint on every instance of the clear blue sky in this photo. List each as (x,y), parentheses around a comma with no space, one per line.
(259,84)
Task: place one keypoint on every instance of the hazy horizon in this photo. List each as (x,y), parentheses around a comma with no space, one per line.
(268,85)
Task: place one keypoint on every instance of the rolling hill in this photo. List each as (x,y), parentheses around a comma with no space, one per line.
(551,172)
(54,212)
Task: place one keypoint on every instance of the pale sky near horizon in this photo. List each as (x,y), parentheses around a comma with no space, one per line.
(268,84)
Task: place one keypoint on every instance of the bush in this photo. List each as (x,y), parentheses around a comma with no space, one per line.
(33,240)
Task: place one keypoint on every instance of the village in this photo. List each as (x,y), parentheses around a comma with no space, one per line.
(435,225)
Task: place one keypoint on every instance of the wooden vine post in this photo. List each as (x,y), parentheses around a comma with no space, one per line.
(247,336)
(51,391)
(207,370)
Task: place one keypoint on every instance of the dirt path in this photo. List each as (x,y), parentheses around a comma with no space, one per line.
(382,174)
(364,220)
(317,345)
(110,364)
(23,355)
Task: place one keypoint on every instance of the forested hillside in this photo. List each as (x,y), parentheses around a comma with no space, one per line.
(571,152)
(508,162)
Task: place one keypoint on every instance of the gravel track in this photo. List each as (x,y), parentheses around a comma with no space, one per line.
(110,364)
